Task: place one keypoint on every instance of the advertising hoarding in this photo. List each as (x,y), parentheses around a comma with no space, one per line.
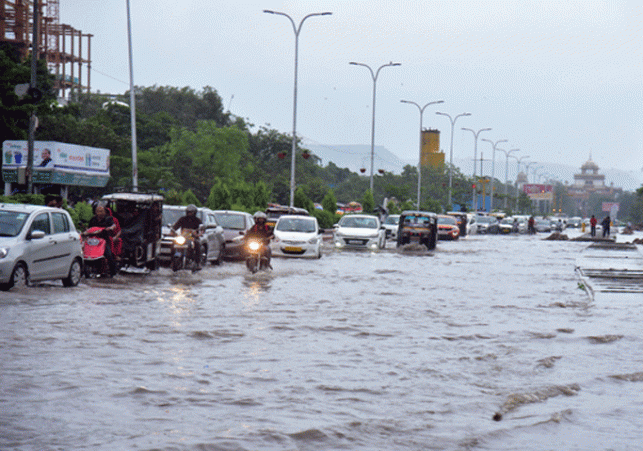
(55,162)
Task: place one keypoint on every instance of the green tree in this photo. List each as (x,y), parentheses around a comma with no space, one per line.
(188,197)
(201,156)
(261,195)
(329,202)
(368,203)
(302,201)
(15,112)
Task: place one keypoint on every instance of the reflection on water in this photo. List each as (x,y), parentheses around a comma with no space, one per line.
(255,286)
(359,351)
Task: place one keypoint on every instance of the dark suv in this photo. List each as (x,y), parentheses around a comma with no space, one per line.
(418,227)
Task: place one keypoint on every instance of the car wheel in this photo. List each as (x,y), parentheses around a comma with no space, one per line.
(19,278)
(217,261)
(204,255)
(75,273)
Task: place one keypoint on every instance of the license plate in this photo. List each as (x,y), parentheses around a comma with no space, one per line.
(292,249)
(358,242)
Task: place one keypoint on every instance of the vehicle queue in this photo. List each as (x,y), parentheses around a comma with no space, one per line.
(41,243)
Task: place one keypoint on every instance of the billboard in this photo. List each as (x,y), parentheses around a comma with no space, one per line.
(56,162)
(538,191)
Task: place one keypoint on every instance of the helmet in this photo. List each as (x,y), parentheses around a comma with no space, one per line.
(260,215)
(191,209)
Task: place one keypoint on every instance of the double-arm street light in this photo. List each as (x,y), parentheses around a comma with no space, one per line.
(296,29)
(474,200)
(452,119)
(493,167)
(374,75)
(507,154)
(421,108)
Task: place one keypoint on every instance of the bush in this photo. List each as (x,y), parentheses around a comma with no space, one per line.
(325,218)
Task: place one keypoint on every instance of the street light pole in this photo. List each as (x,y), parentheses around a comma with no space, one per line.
(374,75)
(132,104)
(420,156)
(451,152)
(474,201)
(507,154)
(296,29)
(493,168)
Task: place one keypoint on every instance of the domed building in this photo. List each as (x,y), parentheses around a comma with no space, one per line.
(589,179)
(589,182)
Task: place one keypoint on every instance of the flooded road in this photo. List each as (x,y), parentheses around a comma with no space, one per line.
(356,351)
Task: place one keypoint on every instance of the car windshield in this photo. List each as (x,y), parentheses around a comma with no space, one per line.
(415,220)
(508,221)
(171,216)
(446,220)
(11,222)
(486,219)
(296,225)
(392,220)
(358,222)
(231,221)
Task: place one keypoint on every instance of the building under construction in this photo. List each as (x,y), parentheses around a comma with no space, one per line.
(66,50)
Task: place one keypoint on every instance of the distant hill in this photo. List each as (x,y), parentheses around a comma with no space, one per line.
(357,156)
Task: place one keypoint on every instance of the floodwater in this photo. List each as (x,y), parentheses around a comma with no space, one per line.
(356,351)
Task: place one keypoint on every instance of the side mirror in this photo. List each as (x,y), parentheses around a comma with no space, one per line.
(36,235)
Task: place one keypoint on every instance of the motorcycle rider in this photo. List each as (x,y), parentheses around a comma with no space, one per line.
(262,232)
(106,222)
(192,223)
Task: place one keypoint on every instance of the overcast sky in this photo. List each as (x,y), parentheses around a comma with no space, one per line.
(557,79)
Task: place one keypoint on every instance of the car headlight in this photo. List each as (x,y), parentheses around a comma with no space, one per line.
(3,252)
(180,240)
(313,240)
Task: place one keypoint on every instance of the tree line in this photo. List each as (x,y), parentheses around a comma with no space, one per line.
(193,151)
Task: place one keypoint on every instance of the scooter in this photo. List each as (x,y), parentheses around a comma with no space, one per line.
(183,252)
(94,261)
(257,258)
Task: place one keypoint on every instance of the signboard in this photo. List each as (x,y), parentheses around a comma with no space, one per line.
(611,207)
(539,192)
(537,189)
(51,154)
(54,162)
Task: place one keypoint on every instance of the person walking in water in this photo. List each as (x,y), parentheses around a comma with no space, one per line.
(606,226)
(592,222)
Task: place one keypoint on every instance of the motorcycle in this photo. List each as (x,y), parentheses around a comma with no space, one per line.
(94,261)
(184,252)
(257,258)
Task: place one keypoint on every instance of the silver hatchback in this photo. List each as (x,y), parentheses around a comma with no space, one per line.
(38,243)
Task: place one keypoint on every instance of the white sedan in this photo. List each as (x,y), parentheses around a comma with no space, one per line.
(297,236)
(360,231)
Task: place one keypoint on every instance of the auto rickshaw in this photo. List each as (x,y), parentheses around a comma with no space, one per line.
(140,219)
(418,227)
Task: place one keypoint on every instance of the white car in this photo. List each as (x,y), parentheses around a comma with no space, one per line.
(360,232)
(297,236)
(38,243)
(391,225)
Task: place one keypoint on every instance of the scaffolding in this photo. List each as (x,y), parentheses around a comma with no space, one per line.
(59,44)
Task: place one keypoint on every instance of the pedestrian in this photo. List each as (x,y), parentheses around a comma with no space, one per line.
(606,226)
(531,225)
(592,222)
